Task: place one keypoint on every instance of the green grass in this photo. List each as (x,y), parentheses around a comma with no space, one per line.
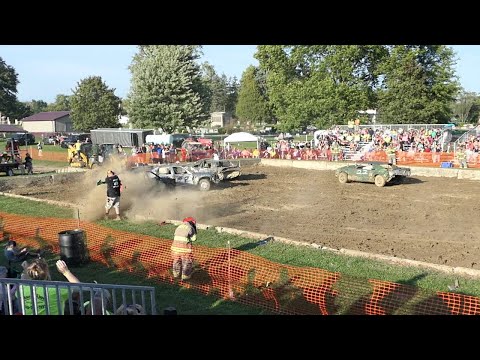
(58,148)
(49,163)
(304,256)
(33,208)
(277,252)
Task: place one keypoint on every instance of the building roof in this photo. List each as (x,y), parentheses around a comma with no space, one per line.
(47,116)
(10,128)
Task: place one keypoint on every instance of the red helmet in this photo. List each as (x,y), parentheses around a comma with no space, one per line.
(190,220)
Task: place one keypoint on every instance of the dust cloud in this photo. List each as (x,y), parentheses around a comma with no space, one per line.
(142,198)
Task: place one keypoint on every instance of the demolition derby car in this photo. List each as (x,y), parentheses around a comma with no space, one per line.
(225,169)
(183,176)
(377,173)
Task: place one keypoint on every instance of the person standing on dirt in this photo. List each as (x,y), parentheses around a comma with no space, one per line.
(28,164)
(114,186)
(181,248)
(40,148)
(78,149)
(391,154)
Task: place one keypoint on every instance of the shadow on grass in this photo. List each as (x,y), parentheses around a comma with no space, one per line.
(253,245)
(414,280)
(388,298)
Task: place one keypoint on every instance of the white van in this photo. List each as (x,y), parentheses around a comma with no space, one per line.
(175,139)
(159,139)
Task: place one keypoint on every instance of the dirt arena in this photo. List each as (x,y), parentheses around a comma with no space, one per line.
(426,219)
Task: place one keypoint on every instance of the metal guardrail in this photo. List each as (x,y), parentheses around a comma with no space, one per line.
(462,139)
(103,299)
(394,126)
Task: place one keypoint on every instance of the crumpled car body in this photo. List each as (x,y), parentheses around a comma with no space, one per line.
(225,169)
(377,173)
(184,176)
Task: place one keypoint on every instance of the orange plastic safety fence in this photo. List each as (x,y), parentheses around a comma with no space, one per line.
(241,276)
(63,157)
(422,158)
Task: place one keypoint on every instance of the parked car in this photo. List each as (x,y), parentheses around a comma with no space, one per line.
(72,139)
(23,138)
(377,173)
(184,176)
(225,169)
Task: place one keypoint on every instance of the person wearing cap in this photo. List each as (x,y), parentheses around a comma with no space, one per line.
(114,185)
(185,235)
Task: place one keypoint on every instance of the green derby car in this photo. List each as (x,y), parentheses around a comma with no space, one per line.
(377,173)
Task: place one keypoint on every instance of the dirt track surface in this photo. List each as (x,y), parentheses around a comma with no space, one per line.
(426,219)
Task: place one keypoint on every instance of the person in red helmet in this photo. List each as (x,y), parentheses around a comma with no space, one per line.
(185,235)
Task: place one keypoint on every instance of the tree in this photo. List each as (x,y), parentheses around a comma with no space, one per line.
(319,85)
(9,105)
(419,85)
(62,103)
(37,106)
(222,91)
(474,116)
(463,106)
(20,111)
(261,80)
(252,107)
(94,105)
(124,107)
(232,95)
(167,91)
(215,89)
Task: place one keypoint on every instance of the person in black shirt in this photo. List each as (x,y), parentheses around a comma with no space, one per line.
(28,164)
(113,193)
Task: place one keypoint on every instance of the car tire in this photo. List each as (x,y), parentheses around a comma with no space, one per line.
(380,181)
(204,184)
(343,177)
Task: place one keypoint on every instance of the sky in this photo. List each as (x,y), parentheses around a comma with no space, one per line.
(45,71)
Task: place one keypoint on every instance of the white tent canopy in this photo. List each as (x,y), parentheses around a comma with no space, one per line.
(241,137)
